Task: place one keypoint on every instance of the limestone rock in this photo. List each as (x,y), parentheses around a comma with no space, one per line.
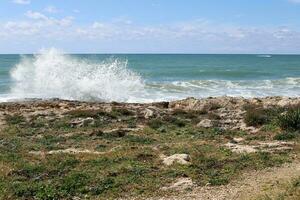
(82,122)
(148,113)
(237,148)
(206,123)
(180,184)
(238,140)
(176,158)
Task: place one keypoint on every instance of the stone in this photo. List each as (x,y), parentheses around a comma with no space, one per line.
(82,122)
(180,184)
(148,113)
(73,151)
(182,159)
(241,148)
(238,140)
(206,123)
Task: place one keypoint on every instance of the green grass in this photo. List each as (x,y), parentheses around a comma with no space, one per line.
(130,164)
(286,136)
(291,191)
(290,120)
(256,117)
(14,119)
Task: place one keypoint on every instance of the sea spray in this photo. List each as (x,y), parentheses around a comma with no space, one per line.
(100,77)
(52,74)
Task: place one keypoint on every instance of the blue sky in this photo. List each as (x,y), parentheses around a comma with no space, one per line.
(150,26)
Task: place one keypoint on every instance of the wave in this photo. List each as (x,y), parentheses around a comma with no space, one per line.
(264,56)
(214,88)
(52,74)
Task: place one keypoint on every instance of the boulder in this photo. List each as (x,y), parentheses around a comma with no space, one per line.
(148,113)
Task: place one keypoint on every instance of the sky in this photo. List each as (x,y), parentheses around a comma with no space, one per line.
(150,26)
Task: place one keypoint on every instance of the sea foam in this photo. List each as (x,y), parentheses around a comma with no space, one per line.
(52,74)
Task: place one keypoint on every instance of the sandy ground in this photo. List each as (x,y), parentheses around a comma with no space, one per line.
(251,185)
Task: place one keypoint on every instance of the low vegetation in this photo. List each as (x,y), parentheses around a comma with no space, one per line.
(290,120)
(120,153)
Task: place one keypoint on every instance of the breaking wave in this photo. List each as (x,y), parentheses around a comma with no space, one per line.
(239,88)
(52,74)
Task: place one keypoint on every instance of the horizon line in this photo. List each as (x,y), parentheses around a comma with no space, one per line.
(158,53)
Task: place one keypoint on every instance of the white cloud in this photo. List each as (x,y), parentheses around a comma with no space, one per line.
(51,9)
(35,15)
(294,1)
(123,34)
(23,2)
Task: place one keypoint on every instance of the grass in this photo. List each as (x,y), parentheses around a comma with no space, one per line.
(14,119)
(287,118)
(155,123)
(290,120)
(256,117)
(130,164)
(286,136)
(290,190)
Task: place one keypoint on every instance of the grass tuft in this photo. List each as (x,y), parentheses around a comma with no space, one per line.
(290,120)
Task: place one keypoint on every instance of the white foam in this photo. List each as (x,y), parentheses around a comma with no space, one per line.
(52,74)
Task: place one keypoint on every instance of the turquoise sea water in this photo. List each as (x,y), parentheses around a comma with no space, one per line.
(145,78)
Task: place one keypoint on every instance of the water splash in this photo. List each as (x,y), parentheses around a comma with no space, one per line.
(52,74)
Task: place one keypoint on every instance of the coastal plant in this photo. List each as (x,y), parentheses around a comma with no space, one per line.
(285,136)
(255,116)
(14,119)
(155,123)
(85,113)
(290,120)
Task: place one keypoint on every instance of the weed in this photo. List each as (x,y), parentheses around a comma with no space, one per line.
(14,119)
(155,123)
(285,136)
(290,120)
(256,117)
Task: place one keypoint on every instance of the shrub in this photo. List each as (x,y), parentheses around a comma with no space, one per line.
(139,139)
(86,113)
(155,123)
(290,120)
(103,186)
(214,106)
(175,121)
(285,136)
(122,111)
(256,117)
(74,183)
(214,116)
(14,119)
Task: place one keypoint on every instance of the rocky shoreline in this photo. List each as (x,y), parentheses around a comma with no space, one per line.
(225,112)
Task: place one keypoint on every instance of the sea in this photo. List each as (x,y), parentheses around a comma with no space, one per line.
(146,77)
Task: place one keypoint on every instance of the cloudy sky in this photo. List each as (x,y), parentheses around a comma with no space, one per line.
(150,26)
